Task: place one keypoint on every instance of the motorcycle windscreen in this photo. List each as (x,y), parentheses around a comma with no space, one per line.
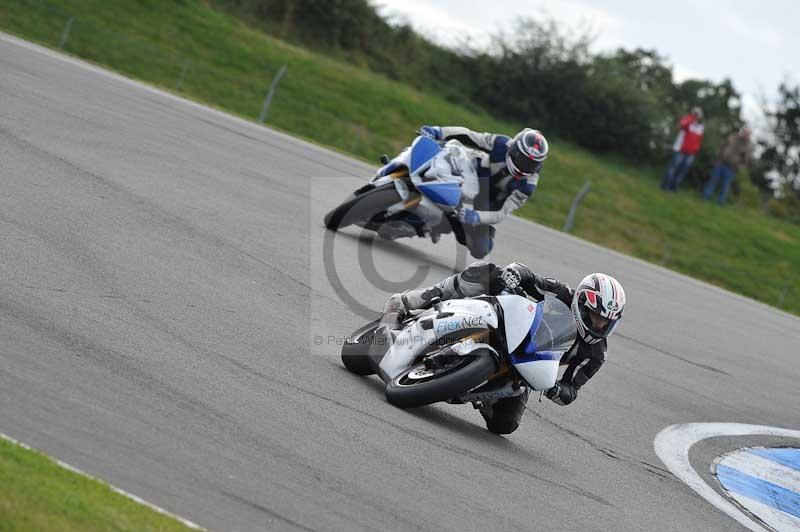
(422,150)
(556,330)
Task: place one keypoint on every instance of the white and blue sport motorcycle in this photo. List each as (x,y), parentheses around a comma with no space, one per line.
(474,350)
(415,192)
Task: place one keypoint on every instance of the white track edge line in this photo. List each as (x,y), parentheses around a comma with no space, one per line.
(122,492)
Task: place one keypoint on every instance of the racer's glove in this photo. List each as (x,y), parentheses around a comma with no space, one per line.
(394,312)
(469,217)
(510,278)
(434,132)
(514,201)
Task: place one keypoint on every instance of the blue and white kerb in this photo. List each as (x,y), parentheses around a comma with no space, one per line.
(766,482)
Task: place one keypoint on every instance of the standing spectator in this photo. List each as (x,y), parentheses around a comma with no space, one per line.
(735,151)
(686,146)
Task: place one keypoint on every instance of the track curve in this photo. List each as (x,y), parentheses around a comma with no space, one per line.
(163,288)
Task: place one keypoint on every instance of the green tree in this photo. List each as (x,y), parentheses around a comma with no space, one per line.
(778,168)
(623,102)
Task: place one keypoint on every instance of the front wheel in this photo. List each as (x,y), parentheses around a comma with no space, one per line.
(362,207)
(420,385)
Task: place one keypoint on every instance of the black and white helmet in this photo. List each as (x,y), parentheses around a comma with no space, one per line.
(600,294)
(526,153)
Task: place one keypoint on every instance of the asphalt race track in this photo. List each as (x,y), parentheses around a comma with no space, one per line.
(166,323)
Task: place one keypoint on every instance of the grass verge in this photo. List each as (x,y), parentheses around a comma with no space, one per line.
(38,494)
(190,48)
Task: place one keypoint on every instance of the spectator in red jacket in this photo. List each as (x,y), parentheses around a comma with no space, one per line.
(686,146)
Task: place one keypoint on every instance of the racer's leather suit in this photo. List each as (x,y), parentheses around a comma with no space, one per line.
(500,193)
(582,360)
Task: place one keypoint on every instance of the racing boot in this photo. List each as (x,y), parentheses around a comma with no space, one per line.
(563,393)
(504,415)
(443,227)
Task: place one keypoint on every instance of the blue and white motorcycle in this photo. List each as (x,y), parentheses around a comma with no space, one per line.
(474,350)
(416,191)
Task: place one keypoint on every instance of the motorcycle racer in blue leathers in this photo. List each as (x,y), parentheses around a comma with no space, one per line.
(508,171)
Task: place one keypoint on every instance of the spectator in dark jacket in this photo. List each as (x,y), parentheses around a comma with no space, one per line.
(735,152)
(685,148)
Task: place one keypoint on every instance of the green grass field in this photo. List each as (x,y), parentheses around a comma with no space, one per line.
(37,494)
(188,47)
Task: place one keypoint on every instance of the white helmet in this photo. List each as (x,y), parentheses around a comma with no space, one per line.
(602,295)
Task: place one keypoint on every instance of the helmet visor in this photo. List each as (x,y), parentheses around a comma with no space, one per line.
(598,325)
(522,163)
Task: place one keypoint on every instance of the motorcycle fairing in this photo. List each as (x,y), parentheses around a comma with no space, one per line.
(448,177)
(519,316)
(522,319)
(540,374)
(454,315)
(441,183)
(447,194)
(422,150)
(437,171)
(538,357)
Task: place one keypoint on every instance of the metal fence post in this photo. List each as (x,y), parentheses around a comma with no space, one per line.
(184,69)
(271,93)
(574,208)
(782,295)
(667,255)
(359,133)
(65,33)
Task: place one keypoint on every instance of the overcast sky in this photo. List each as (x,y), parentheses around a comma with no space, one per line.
(754,43)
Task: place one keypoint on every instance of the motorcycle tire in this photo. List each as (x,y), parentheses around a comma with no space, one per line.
(355,354)
(418,386)
(362,207)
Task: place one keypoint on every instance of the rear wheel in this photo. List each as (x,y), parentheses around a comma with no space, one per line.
(355,352)
(422,385)
(362,207)
(356,360)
